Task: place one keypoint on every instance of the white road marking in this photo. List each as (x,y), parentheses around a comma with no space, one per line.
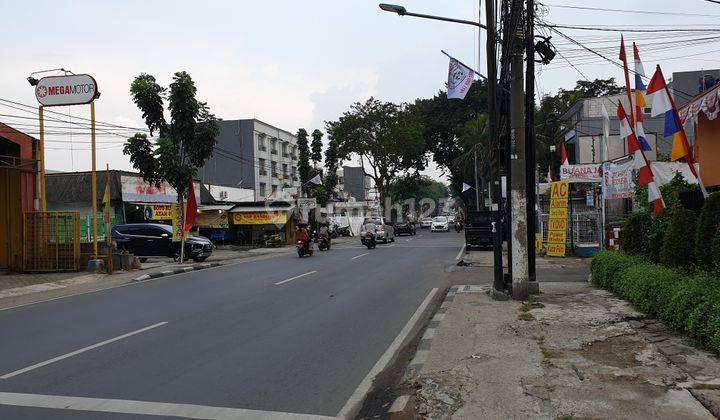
(296,277)
(82,350)
(462,250)
(353,403)
(390,246)
(190,411)
(358,256)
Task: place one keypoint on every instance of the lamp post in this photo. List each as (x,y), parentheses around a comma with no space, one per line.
(498,281)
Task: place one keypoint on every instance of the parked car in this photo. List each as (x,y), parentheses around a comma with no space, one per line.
(404,227)
(440,224)
(426,222)
(155,240)
(383,232)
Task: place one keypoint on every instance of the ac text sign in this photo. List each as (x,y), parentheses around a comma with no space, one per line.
(74,89)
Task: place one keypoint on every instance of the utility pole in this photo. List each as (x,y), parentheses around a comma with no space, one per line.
(531,166)
(498,280)
(518,191)
(478,191)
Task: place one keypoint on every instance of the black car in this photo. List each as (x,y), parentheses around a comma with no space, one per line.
(479,229)
(405,227)
(155,240)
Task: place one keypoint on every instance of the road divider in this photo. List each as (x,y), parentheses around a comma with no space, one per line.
(295,278)
(82,350)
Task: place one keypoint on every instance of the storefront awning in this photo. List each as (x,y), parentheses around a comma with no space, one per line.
(214,207)
(253,209)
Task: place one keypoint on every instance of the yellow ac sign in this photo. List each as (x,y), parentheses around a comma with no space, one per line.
(557,224)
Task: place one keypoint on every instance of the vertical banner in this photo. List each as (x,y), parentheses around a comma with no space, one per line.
(177,227)
(557,224)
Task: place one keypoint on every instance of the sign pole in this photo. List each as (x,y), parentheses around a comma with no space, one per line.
(94,180)
(41,158)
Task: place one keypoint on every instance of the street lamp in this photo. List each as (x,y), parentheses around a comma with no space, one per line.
(401,11)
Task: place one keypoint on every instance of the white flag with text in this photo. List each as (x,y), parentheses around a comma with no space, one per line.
(460,79)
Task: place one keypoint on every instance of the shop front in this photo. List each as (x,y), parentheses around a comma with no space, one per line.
(262,224)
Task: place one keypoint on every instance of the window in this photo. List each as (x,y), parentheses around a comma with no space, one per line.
(262,189)
(274,189)
(273,149)
(284,150)
(285,171)
(261,142)
(273,168)
(341,180)
(262,167)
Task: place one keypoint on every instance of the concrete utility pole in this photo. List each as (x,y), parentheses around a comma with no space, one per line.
(530,167)
(478,190)
(518,191)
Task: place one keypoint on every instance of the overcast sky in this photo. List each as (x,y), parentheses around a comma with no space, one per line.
(289,63)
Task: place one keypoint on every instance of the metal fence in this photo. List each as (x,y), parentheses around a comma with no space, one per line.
(51,241)
(584,221)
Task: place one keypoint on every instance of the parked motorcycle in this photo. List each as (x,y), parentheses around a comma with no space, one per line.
(304,248)
(333,231)
(343,231)
(323,243)
(370,241)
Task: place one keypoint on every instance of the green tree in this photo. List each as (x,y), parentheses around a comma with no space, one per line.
(303,158)
(331,166)
(678,249)
(321,195)
(473,139)
(635,233)
(707,230)
(184,143)
(316,146)
(386,137)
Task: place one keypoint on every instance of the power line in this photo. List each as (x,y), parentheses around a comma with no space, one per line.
(643,12)
(605,29)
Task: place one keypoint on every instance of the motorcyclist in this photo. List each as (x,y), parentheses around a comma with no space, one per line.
(302,233)
(324,232)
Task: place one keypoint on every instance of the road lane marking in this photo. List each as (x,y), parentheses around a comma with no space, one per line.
(390,246)
(358,256)
(296,277)
(82,350)
(461,252)
(149,408)
(353,403)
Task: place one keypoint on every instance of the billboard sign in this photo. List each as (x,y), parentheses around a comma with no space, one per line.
(74,89)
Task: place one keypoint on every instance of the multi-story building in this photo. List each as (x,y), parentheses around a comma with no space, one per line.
(256,155)
(353,183)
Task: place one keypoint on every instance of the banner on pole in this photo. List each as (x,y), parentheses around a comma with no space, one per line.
(618,180)
(585,172)
(557,223)
(460,79)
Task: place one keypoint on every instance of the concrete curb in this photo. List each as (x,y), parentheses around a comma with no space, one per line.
(176,271)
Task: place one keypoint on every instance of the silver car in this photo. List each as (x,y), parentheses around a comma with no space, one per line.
(383,232)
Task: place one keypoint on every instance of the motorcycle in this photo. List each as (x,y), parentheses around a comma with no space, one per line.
(333,231)
(370,240)
(323,243)
(343,231)
(304,248)
(458,226)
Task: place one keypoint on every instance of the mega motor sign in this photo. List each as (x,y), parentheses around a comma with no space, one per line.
(72,89)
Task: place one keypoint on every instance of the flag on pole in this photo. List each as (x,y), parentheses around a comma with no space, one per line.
(549,174)
(563,155)
(106,206)
(645,175)
(640,100)
(460,79)
(623,58)
(465,187)
(317,180)
(191,209)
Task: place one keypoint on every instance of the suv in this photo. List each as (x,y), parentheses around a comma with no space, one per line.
(155,240)
(383,232)
(405,226)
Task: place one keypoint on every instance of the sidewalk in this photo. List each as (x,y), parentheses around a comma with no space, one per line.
(575,351)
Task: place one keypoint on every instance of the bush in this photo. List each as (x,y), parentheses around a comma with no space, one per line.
(678,246)
(688,303)
(716,251)
(656,236)
(707,230)
(634,238)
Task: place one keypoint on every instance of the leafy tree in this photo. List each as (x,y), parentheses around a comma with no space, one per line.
(473,138)
(416,187)
(184,143)
(316,146)
(635,233)
(387,138)
(303,158)
(444,125)
(321,195)
(707,230)
(331,165)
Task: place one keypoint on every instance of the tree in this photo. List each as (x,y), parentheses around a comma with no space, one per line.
(444,124)
(184,143)
(303,158)
(331,165)
(386,137)
(678,248)
(416,187)
(473,139)
(316,146)
(707,230)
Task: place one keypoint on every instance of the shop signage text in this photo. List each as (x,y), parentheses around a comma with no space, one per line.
(72,89)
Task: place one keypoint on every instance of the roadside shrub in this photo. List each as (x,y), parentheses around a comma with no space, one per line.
(716,251)
(634,238)
(688,303)
(707,230)
(656,236)
(678,247)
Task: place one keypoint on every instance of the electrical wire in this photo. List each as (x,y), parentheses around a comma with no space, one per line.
(643,12)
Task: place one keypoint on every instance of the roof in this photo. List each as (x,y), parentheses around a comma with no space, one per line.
(73,187)
(263,205)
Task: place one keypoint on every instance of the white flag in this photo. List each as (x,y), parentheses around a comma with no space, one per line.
(606,133)
(465,187)
(316,180)
(459,80)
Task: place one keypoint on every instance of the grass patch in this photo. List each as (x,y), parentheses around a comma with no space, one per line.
(530,305)
(526,317)
(538,338)
(547,353)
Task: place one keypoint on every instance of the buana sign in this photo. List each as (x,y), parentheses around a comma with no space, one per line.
(72,89)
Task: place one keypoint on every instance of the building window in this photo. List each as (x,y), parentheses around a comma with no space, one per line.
(273,168)
(341,180)
(262,189)
(285,170)
(274,189)
(273,149)
(284,150)
(261,142)
(262,167)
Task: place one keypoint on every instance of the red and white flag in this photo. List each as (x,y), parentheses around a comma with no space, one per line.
(563,155)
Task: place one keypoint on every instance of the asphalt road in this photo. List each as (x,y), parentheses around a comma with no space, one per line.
(280,335)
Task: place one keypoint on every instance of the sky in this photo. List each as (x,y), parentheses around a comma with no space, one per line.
(289,63)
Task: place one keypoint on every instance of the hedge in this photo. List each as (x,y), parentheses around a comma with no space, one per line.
(689,304)
(678,248)
(707,230)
